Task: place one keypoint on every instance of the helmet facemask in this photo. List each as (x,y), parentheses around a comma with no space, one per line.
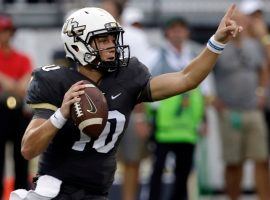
(122,52)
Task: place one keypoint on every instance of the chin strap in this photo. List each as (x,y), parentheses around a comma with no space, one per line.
(109,66)
(104,66)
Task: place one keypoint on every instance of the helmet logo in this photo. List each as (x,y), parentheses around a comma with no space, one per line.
(111,25)
(72,29)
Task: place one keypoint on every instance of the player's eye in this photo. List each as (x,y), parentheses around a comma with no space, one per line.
(107,39)
(102,39)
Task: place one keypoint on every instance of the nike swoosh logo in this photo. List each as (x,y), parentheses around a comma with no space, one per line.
(55,117)
(114,97)
(92,107)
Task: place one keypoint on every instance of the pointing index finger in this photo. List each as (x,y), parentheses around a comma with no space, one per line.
(229,13)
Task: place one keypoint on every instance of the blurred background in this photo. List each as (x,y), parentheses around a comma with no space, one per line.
(39,23)
(39,19)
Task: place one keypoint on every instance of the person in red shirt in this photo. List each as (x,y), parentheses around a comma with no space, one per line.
(15,72)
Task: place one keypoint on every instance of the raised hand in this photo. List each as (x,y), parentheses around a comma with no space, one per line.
(228,27)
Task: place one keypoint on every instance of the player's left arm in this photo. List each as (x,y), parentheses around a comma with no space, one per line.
(171,84)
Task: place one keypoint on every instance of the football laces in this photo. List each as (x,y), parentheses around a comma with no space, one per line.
(78,109)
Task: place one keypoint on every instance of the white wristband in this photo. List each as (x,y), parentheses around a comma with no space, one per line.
(57,119)
(215,46)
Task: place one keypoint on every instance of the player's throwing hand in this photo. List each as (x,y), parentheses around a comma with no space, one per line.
(228,27)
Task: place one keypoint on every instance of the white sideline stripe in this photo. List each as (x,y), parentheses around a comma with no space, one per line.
(89,85)
(89,122)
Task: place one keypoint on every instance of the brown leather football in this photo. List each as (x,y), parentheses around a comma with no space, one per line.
(91,113)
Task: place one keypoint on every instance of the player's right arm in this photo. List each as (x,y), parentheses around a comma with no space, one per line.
(41,131)
(37,137)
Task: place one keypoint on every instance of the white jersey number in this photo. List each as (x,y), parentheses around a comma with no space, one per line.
(50,68)
(107,139)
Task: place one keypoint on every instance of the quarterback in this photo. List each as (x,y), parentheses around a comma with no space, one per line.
(72,165)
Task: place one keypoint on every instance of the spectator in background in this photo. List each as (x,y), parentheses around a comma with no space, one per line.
(257,29)
(135,34)
(177,119)
(114,7)
(240,74)
(15,69)
(133,148)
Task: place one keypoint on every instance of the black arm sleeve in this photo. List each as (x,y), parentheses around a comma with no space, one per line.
(145,95)
(143,78)
(43,113)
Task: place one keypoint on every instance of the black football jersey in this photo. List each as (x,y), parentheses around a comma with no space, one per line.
(72,156)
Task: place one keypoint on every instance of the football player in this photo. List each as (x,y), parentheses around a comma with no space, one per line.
(77,166)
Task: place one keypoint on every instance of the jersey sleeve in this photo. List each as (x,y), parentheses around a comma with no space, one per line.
(42,113)
(41,94)
(143,78)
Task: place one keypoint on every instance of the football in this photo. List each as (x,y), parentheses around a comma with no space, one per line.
(91,113)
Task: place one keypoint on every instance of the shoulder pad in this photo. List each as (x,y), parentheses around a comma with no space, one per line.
(44,88)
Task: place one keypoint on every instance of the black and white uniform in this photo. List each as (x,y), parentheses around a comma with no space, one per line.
(72,156)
